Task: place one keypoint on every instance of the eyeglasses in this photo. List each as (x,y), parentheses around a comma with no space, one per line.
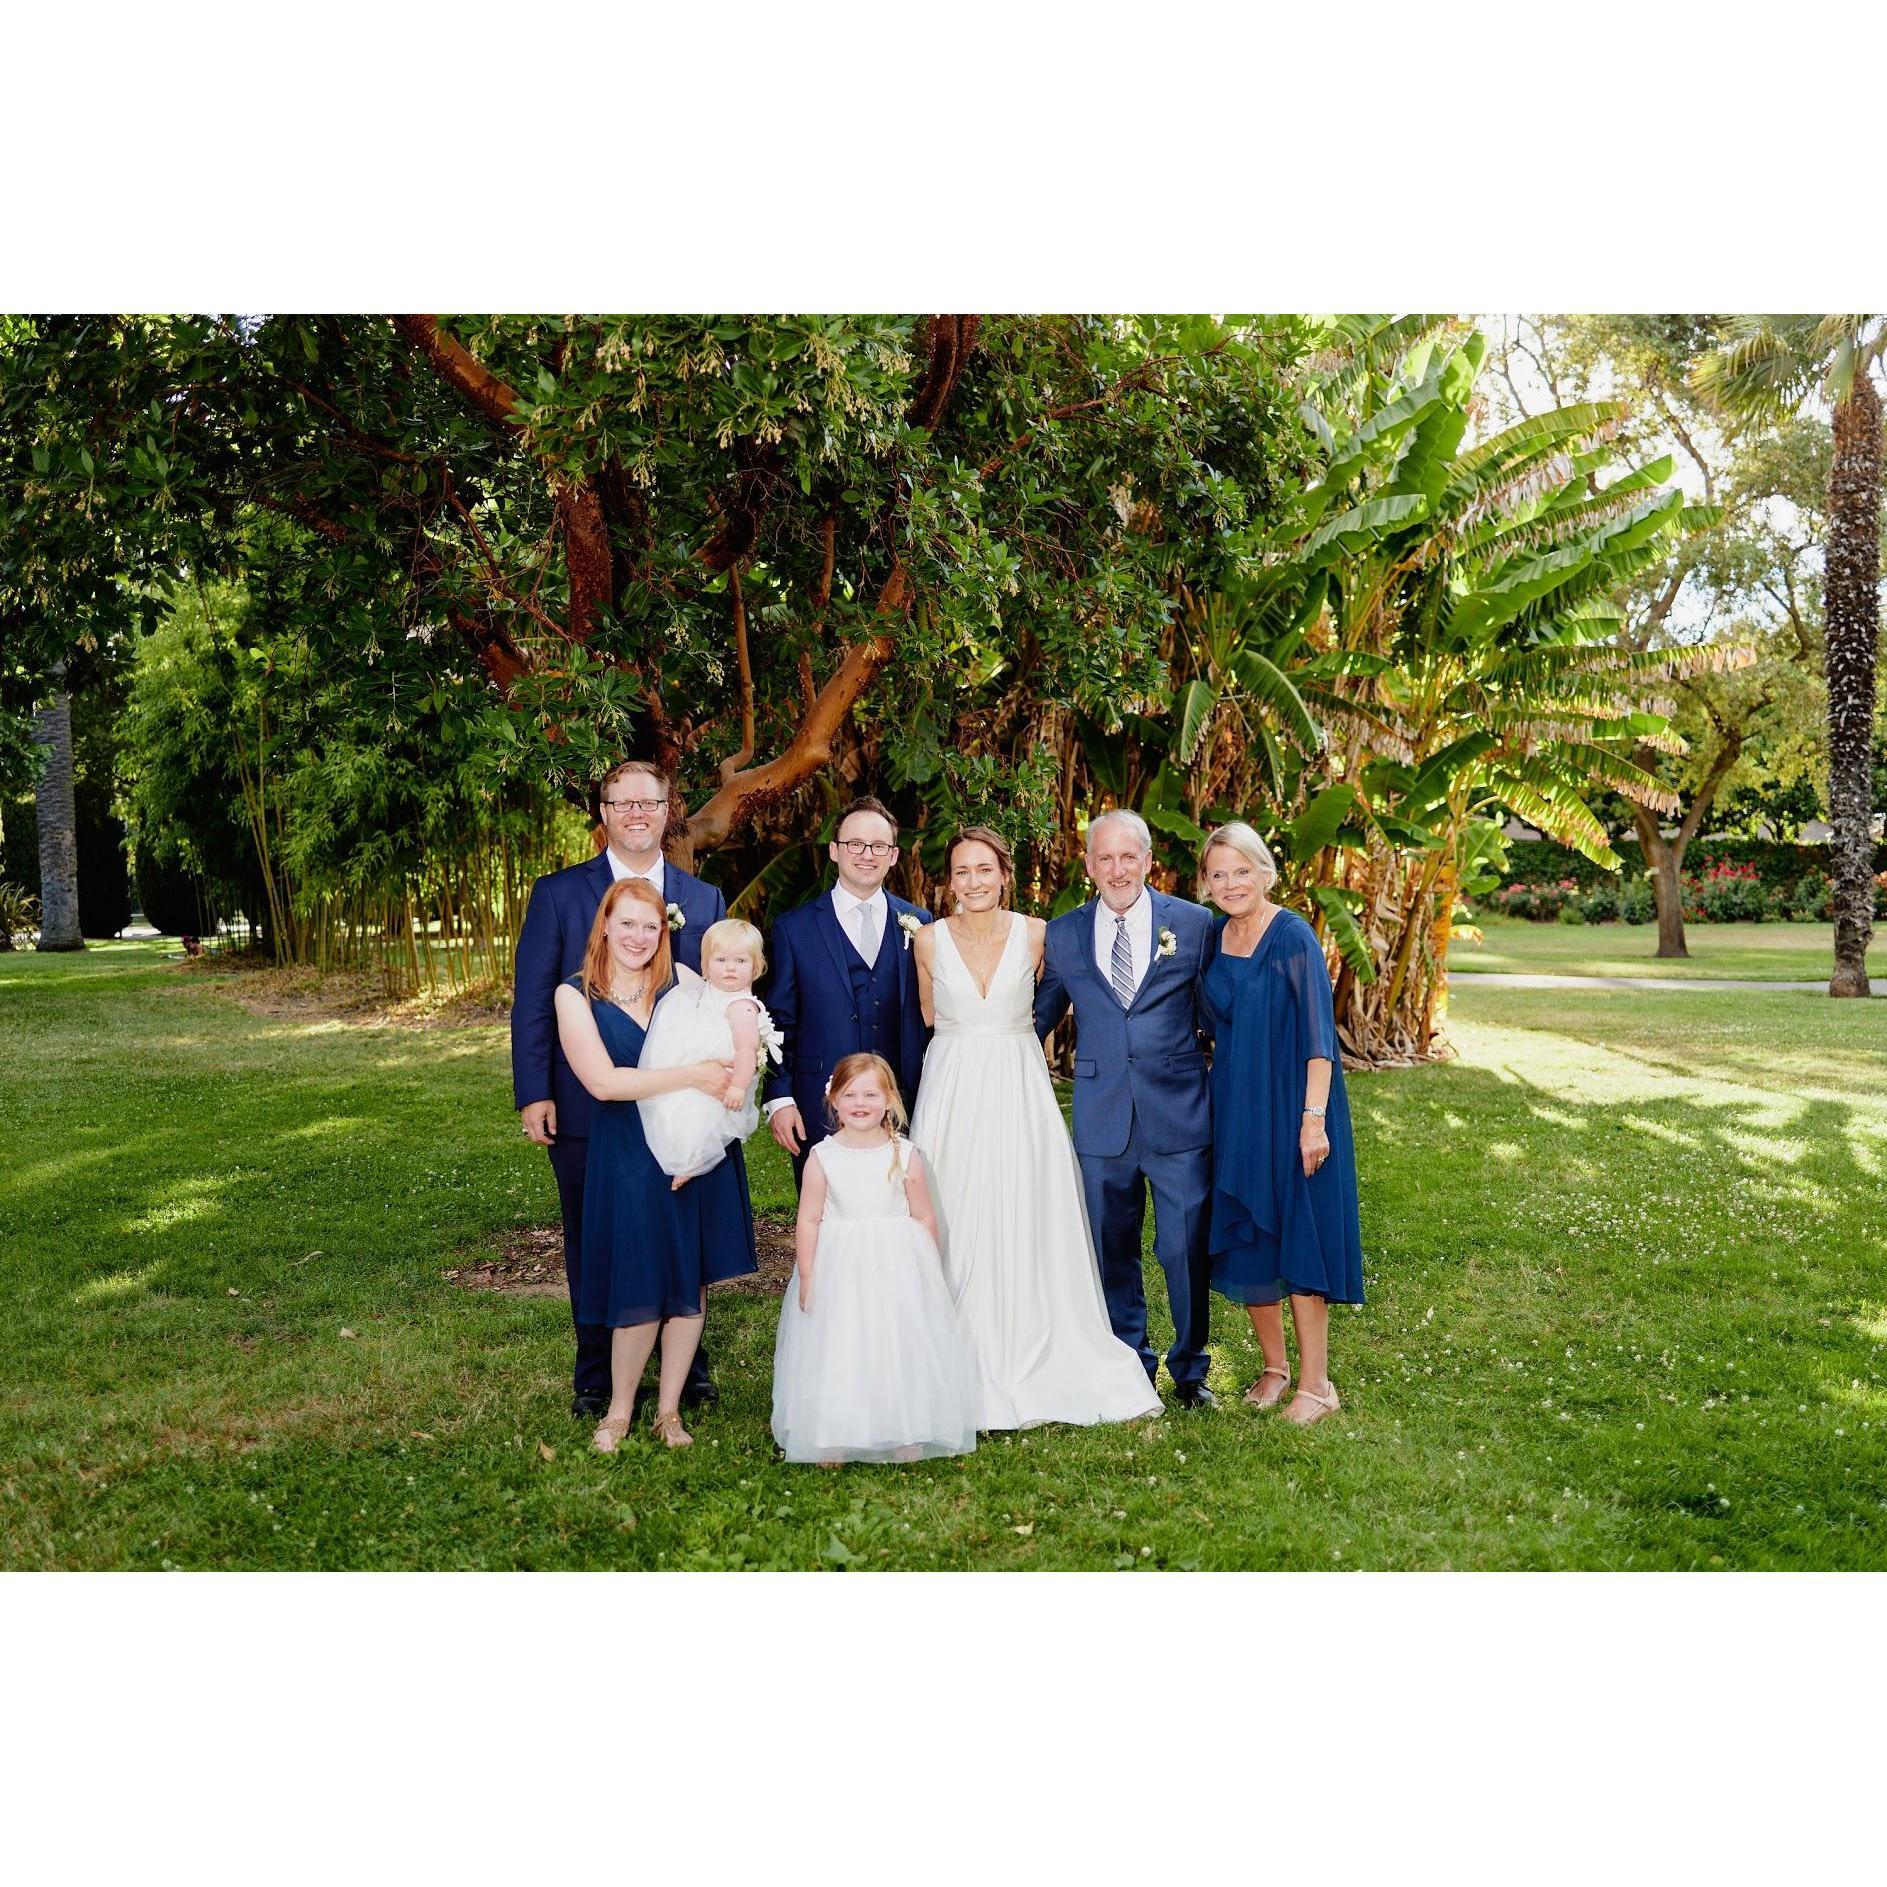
(635,805)
(867,848)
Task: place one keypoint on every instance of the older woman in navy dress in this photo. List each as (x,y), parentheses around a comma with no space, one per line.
(1284,1212)
(649,1253)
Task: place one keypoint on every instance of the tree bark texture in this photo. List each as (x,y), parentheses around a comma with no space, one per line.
(1852,608)
(58,829)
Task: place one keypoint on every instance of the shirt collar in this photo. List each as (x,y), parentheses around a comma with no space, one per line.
(1143,904)
(618,871)
(845,904)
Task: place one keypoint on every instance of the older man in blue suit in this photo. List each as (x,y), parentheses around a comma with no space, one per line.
(840,981)
(1130,963)
(553,1104)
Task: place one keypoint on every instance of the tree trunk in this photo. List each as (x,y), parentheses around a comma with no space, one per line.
(1664,860)
(1852,609)
(58,828)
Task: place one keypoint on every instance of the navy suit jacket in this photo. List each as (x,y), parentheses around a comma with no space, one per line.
(1144,1061)
(808,994)
(550,949)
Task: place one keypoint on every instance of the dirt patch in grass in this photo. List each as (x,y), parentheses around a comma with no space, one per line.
(356,999)
(528,1262)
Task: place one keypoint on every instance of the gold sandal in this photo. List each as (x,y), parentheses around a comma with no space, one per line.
(610,1432)
(1323,1405)
(1256,1396)
(668,1427)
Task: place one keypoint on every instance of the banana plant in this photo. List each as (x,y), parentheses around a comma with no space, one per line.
(1421,644)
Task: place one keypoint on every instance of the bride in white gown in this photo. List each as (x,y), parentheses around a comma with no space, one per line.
(1016,1244)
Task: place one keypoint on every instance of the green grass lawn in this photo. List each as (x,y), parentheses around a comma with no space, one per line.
(1628,1307)
(1765,953)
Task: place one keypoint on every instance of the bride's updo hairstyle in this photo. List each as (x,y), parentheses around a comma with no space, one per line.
(598,971)
(849,1069)
(982,835)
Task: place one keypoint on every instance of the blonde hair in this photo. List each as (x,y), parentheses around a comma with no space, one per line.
(738,931)
(1235,835)
(598,971)
(849,1069)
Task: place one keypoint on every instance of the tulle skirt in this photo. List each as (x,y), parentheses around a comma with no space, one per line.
(880,1368)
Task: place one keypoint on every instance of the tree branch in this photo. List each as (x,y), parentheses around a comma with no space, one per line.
(460,368)
(811,747)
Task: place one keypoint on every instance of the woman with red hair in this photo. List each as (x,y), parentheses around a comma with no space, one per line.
(649,1253)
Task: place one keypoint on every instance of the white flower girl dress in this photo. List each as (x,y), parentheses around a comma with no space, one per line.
(880,1368)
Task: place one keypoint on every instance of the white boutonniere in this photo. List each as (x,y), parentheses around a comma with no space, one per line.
(772,1042)
(675,918)
(910,923)
(1169,944)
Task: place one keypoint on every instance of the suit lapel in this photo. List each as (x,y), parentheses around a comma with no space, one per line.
(1083,918)
(826,919)
(1154,959)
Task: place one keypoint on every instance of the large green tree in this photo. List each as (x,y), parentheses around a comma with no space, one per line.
(1768,367)
(702,537)
(1748,579)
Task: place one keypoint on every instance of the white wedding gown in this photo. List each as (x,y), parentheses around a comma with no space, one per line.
(1016,1245)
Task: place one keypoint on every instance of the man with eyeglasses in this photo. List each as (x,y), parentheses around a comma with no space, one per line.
(552,1103)
(840,981)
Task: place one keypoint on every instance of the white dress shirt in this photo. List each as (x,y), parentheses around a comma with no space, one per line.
(846,909)
(849,910)
(618,871)
(1139,937)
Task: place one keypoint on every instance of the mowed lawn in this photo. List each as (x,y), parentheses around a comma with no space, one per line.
(1627,1263)
(1764,953)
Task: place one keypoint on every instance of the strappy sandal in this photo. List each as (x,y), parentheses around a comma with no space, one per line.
(667,1427)
(1256,1395)
(610,1432)
(1322,1405)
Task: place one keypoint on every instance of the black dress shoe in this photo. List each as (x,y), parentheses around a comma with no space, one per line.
(699,1395)
(1199,1398)
(589,1405)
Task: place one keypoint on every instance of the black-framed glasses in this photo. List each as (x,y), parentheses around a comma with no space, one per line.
(868,848)
(635,805)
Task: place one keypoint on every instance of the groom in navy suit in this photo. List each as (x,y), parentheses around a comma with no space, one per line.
(553,1103)
(840,982)
(1130,962)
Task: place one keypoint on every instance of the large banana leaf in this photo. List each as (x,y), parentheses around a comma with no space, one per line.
(1317,825)
(1339,908)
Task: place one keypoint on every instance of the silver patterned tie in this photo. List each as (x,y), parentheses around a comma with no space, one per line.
(867,932)
(1121,966)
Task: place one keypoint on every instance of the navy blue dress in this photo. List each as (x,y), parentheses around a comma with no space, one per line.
(1274,1232)
(648,1251)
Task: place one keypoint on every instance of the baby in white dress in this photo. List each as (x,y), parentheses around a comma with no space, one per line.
(716,1017)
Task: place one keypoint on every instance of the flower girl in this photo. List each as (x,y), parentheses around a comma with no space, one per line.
(712,1018)
(871,1363)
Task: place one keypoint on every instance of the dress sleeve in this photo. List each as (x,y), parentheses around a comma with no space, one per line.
(1309,979)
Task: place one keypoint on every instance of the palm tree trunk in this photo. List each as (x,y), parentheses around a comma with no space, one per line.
(1852,608)
(58,828)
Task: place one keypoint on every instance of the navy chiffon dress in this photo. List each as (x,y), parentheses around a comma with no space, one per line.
(1274,1232)
(647,1251)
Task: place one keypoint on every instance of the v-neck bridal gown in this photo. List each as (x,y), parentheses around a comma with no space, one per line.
(1016,1245)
